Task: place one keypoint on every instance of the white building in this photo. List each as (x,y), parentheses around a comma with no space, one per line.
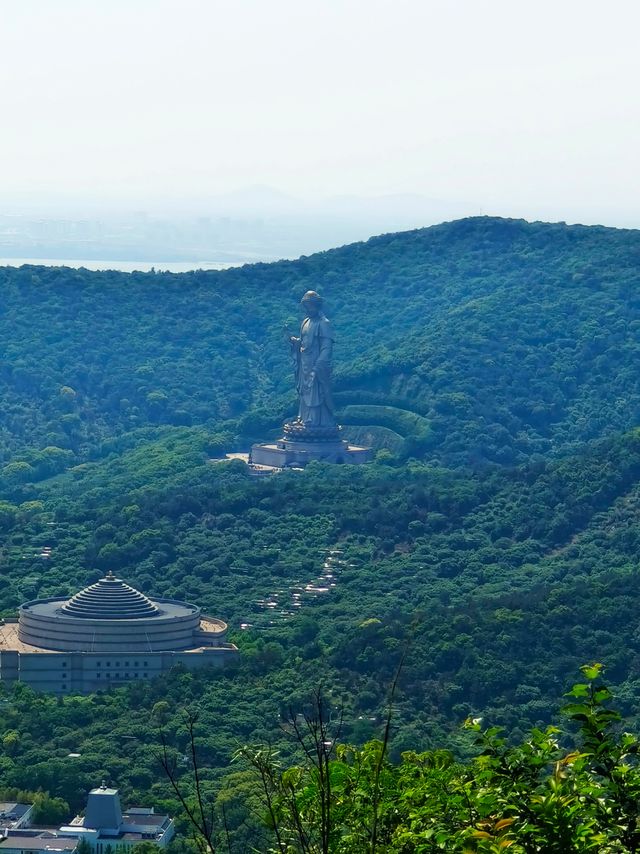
(104,826)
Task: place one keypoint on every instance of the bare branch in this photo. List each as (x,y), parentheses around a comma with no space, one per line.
(202,829)
(383,754)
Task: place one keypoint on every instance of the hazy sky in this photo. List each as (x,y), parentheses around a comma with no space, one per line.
(515,108)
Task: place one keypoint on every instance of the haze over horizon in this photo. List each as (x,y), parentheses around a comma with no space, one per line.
(370,116)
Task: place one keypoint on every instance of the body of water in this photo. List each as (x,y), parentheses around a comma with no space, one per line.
(123,266)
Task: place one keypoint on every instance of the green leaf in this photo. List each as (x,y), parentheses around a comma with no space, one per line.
(591,671)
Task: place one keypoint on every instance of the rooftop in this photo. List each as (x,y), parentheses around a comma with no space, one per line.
(103,790)
(109,599)
(9,639)
(133,818)
(12,810)
(47,842)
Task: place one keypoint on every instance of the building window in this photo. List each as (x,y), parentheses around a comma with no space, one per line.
(108,664)
(126,675)
(145,664)
(145,675)
(117,676)
(64,686)
(117,664)
(98,664)
(135,663)
(108,676)
(98,675)
(126,664)
(135,675)
(64,663)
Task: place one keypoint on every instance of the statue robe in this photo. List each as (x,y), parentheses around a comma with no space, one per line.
(314,350)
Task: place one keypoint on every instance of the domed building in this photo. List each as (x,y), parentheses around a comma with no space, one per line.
(107,634)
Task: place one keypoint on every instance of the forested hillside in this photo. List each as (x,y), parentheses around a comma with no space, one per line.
(473,341)
(495,585)
(493,542)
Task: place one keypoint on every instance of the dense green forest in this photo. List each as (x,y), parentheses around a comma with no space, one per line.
(506,339)
(492,544)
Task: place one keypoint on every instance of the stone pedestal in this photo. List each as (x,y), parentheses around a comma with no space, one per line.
(300,445)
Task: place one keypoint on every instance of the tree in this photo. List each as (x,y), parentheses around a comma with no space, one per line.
(145,848)
(16,473)
(7,516)
(161,711)
(11,741)
(49,811)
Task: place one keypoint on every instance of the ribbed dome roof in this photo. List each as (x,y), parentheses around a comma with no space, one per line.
(109,599)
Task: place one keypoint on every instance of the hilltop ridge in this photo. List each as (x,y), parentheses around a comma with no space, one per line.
(502,339)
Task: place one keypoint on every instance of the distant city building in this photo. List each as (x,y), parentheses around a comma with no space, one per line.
(107,634)
(104,826)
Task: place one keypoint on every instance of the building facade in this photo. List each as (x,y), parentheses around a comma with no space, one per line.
(107,634)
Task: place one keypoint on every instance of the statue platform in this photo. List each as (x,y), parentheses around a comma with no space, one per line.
(301,445)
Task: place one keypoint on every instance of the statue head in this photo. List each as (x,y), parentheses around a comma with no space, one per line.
(311,296)
(312,303)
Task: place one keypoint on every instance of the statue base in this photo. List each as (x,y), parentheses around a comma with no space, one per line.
(301,445)
(296,431)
